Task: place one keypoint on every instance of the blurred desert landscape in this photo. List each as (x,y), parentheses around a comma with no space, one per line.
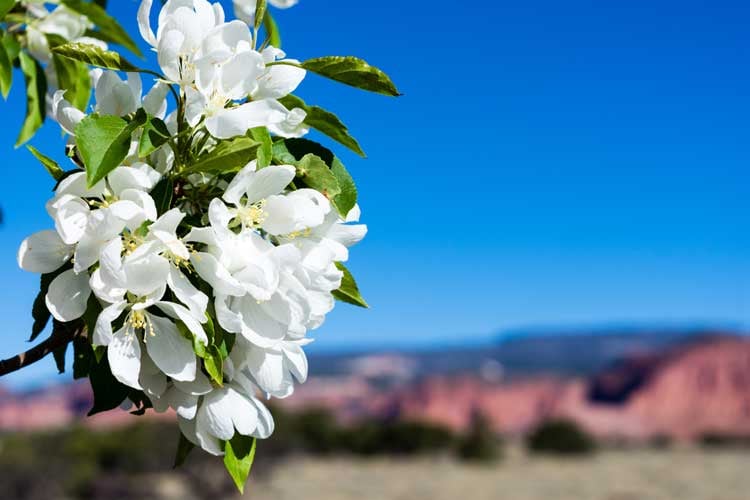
(604,415)
(612,475)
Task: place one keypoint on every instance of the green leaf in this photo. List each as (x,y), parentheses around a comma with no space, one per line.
(93,309)
(184,447)
(109,393)
(315,174)
(260,13)
(6,72)
(210,329)
(51,165)
(272,31)
(73,76)
(349,292)
(289,151)
(59,355)
(155,135)
(11,46)
(214,364)
(83,358)
(141,402)
(106,23)
(95,56)
(162,194)
(300,147)
(325,122)
(228,156)
(5,7)
(282,154)
(239,454)
(60,329)
(345,200)
(352,71)
(36,89)
(104,141)
(39,311)
(265,150)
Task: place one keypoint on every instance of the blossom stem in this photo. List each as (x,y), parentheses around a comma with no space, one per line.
(40,351)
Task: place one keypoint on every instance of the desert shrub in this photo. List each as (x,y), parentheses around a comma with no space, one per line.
(563,437)
(316,431)
(396,438)
(724,440)
(661,442)
(481,443)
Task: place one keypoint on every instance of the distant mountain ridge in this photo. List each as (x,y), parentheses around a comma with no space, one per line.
(522,354)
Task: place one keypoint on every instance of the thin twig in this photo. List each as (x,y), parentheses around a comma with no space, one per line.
(38,352)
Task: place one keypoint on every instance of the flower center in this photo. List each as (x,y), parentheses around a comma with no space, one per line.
(131,241)
(140,321)
(252,215)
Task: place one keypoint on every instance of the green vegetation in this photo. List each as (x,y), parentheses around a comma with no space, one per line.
(316,431)
(481,444)
(716,440)
(562,437)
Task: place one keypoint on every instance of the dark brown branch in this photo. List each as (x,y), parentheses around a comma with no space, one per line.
(38,352)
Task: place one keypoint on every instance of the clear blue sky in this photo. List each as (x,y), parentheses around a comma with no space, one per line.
(552,163)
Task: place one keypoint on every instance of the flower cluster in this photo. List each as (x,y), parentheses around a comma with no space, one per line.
(198,237)
(247,273)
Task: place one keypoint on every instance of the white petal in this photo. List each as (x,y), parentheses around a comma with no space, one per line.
(169,55)
(155,102)
(146,207)
(124,355)
(244,414)
(176,311)
(279,81)
(219,216)
(144,22)
(267,368)
(103,226)
(258,327)
(169,350)
(229,319)
(240,184)
(103,329)
(145,275)
(103,289)
(281,216)
(198,387)
(110,263)
(205,235)
(186,405)
(71,215)
(169,222)
(297,361)
(214,415)
(269,181)
(216,275)
(265,421)
(153,381)
(43,253)
(186,293)
(64,113)
(293,124)
(209,443)
(238,120)
(239,75)
(68,296)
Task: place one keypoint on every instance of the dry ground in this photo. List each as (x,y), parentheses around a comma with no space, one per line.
(626,475)
(610,475)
